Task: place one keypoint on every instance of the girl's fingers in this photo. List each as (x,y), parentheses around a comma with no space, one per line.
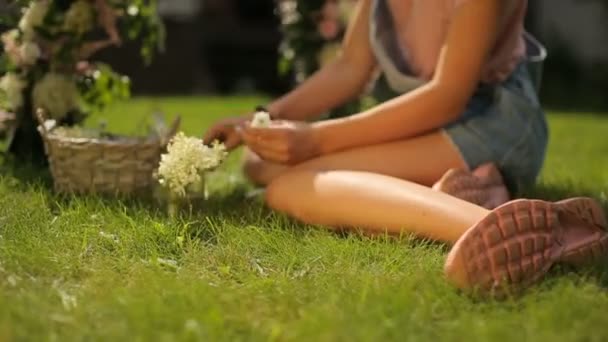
(233,141)
(270,143)
(266,150)
(267,155)
(214,133)
(278,130)
(275,145)
(272,157)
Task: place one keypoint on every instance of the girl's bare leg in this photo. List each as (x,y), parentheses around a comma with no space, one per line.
(423,160)
(429,160)
(374,202)
(513,245)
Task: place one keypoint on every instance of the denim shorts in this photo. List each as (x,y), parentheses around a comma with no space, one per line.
(503,124)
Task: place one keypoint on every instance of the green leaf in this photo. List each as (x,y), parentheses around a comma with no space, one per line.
(143,25)
(103,87)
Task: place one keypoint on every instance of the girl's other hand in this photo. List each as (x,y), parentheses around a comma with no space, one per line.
(225,131)
(284,142)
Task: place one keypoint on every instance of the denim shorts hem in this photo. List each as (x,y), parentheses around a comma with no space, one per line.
(469,147)
(507,128)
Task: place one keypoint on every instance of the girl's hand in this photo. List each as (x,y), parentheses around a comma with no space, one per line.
(284,142)
(225,131)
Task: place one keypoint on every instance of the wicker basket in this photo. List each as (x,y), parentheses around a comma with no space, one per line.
(121,166)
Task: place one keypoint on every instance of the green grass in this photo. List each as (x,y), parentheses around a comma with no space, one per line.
(94,269)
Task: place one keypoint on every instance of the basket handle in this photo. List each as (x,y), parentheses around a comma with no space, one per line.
(41,116)
(171,131)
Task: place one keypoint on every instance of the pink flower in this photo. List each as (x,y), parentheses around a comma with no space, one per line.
(9,39)
(329,29)
(84,68)
(329,25)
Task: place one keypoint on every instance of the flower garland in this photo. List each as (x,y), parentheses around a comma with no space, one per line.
(44,63)
(301,39)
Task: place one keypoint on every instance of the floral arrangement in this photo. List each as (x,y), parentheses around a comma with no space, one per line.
(182,169)
(44,64)
(302,40)
(313,31)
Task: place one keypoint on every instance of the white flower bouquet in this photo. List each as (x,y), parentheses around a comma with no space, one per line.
(44,61)
(182,169)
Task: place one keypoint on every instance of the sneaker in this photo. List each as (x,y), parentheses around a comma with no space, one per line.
(484,186)
(516,244)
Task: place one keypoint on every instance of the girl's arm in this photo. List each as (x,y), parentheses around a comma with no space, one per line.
(470,39)
(336,83)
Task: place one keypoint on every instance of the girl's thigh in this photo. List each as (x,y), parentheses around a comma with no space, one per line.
(422,160)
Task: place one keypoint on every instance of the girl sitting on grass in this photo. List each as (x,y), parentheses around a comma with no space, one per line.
(463,117)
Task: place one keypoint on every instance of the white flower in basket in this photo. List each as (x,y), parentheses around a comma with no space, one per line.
(11,46)
(182,169)
(79,18)
(12,85)
(33,17)
(57,94)
(29,53)
(20,53)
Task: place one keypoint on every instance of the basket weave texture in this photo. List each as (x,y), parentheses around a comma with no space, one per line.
(121,166)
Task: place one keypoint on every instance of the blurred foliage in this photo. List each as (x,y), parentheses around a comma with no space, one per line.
(304,48)
(137,20)
(142,23)
(302,41)
(570,84)
(102,86)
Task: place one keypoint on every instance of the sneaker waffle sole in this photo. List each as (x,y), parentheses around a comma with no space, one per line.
(510,249)
(592,213)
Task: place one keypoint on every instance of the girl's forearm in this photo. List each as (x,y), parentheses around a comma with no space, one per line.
(420,111)
(328,88)
(432,106)
(339,81)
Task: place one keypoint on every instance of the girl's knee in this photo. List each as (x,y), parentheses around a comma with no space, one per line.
(278,193)
(259,171)
(288,194)
(254,171)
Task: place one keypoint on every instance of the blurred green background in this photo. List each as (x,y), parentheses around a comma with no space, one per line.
(231,47)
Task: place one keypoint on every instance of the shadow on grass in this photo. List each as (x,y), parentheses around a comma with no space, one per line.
(554,192)
(596,275)
(25,174)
